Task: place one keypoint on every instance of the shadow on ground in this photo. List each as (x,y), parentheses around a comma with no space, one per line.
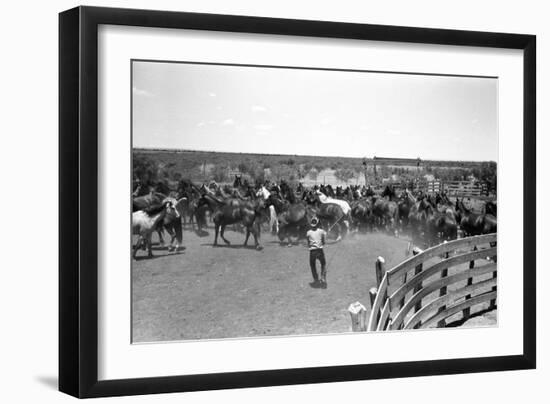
(48,381)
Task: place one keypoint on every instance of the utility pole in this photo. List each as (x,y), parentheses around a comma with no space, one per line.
(365,168)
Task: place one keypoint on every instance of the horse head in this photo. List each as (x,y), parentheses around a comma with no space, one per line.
(310,197)
(389,192)
(237,183)
(461,207)
(171,206)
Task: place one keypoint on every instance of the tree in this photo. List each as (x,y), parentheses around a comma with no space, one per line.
(144,169)
(319,166)
(301,172)
(220,173)
(244,166)
(168,171)
(344,174)
(307,166)
(313,174)
(283,172)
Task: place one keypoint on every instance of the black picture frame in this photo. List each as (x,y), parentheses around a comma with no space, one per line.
(78,196)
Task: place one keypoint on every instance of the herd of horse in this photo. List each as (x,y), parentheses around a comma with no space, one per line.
(289,209)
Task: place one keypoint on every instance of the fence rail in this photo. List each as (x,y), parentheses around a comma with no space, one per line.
(431,286)
(452,188)
(456,188)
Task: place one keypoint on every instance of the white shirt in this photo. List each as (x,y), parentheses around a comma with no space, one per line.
(316,238)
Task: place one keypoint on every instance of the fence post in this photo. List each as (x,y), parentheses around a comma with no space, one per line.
(373,292)
(417,270)
(380,271)
(466,311)
(493,303)
(380,263)
(358,314)
(443,291)
(404,278)
(372,296)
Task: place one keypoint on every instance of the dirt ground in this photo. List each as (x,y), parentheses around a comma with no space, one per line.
(233,291)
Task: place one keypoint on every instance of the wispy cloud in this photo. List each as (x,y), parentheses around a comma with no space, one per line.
(212,95)
(139,92)
(228,122)
(258,108)
(393,131)
(200,124)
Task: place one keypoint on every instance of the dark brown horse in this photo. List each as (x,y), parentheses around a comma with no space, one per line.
(148,200)
(361,214)
(444,205)
(234,210)
(440,226)
(490,208)
(249,213)
(474,224)
(192,193)
(293,218)
(385,209)
(173,226)
(418,215)
(404,205)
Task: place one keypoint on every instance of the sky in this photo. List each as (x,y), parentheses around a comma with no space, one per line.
(313,112)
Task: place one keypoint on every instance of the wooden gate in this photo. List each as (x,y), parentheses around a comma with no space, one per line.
(454,188)
(465,188)
(432,286)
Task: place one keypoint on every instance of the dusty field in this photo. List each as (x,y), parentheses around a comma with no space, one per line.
(224,292)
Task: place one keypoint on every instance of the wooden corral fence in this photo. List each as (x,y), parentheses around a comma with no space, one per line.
(465,188)
(431,286)
(452,188)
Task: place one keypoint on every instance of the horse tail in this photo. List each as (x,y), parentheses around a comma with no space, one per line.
(273,222)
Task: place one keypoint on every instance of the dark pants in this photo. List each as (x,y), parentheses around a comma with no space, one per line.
(314,255)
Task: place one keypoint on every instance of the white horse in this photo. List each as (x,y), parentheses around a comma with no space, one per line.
(144,222)
(273,222)
(343,204)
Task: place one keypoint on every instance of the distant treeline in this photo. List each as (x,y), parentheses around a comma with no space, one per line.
(153,165)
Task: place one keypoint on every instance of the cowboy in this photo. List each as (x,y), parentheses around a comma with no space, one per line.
(316,240)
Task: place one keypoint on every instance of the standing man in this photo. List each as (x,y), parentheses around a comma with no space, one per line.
(316,240)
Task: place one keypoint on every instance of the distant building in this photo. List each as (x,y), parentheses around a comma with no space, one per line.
(398,162)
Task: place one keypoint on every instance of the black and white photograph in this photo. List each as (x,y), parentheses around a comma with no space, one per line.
(275,202)
(272,201)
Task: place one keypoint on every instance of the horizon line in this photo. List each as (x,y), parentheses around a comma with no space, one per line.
(169,149)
